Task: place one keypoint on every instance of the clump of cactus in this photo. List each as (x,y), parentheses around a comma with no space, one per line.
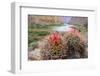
(63,46)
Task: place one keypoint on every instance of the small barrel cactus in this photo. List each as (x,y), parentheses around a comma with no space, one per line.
(54,47)
(76,46)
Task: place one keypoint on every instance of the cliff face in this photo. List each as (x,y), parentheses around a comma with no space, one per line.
(78,21)
(46,20)
(36,19)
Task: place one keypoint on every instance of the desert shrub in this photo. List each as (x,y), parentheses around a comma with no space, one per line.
(34,36)
(83,29)
(40,26)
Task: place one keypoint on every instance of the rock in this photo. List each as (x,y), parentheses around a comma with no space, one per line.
(35,54)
